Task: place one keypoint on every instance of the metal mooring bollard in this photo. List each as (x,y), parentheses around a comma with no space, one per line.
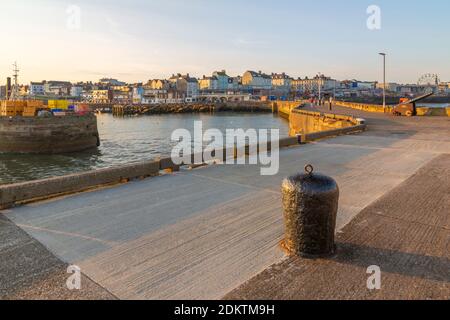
(310,203)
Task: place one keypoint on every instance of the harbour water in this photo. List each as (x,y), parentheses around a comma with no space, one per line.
(433,105)
(126,140)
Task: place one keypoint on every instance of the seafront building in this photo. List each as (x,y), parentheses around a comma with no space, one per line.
(210,83)
(281,81)
(111,82)
(37,88)
(405,89)
(102,96)
(122,94)
(224,82)
(257,80)
(76,91)
(314,84)
(158,84)
(57,88)
(154,96)
(218,86)
(444,87)
(186,86)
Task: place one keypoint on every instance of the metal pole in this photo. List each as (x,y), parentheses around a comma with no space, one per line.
(334,91)
(384,81)
(320,89)
(320,92)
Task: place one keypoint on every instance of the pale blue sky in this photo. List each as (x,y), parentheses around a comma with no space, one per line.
(136,40)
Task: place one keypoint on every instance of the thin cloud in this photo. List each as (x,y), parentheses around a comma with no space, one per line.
(243,42)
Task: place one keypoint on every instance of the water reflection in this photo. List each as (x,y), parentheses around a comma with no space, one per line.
(126,140)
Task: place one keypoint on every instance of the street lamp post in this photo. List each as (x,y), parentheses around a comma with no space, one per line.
(320,93)
(320,87)
(384,80)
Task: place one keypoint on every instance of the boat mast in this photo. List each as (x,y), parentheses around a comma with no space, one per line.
(15,91)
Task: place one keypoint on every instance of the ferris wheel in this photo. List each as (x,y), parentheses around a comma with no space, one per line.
(429,79)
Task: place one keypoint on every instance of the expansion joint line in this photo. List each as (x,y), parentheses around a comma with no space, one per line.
(414,222)
(69,234)
(236,184)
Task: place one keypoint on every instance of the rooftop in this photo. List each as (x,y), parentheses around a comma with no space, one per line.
(259,75)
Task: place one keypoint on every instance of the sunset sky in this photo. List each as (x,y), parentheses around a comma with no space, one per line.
(137,40)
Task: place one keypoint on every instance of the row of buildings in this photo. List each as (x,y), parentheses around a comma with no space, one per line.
(185,88)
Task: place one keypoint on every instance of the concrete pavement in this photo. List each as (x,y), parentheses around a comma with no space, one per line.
(29,271)
(406,233)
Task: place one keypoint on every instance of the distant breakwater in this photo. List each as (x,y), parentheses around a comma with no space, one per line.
(133,110)
(394,100)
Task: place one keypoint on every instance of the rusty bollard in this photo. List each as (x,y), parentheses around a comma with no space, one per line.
(310,204)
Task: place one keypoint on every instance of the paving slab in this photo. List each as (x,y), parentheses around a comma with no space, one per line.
(29,271)
(406,233)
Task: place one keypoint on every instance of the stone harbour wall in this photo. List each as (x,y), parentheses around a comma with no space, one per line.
(303,122)
(48,135)
(365,107)
(421,111)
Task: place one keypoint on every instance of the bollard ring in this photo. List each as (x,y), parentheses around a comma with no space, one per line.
(309,169)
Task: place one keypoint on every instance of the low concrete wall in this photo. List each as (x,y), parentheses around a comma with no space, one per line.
(284,108)
(26,191)
(12,194)
(421,111)
(442,112)
(365,107)
(306,122)
(333,133)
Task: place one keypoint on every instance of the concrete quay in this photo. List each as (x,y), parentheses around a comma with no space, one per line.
(406,233)
(203,234)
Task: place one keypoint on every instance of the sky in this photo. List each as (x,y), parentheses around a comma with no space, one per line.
(137,40)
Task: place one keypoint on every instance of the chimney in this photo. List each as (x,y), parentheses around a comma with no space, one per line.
(8,87)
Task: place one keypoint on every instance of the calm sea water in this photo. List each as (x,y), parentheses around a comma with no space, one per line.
(433,105)
(126,140)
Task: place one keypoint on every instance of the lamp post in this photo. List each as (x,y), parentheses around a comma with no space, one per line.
(384,80)
(320,87)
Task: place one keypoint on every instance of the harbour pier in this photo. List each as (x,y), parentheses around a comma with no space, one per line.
(214,232)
